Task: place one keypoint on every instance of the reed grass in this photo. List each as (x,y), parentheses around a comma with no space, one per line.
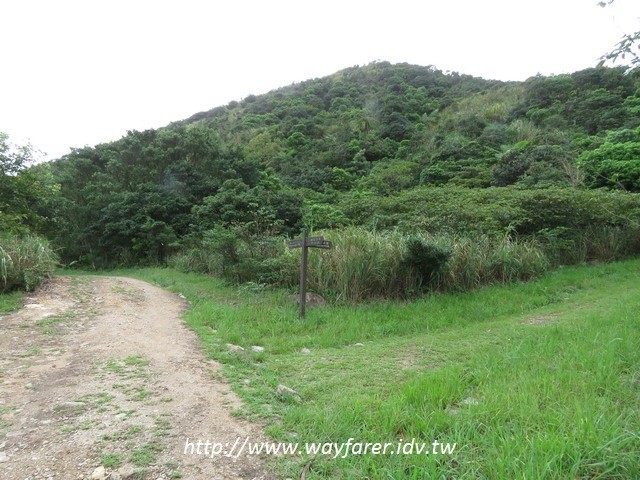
(368,265)
(365,265)
(25,262)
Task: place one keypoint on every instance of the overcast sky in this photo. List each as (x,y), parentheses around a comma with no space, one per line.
(77,73)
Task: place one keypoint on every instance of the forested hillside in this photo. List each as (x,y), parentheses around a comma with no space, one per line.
(552,160)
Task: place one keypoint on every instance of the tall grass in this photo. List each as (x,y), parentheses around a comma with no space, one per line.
(611,243)
(362,265)
(601,243)
(238,257)
(365,265)
(483,260)
(25,262)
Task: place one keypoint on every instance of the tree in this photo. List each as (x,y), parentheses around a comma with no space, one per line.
(141,224)
(23,190)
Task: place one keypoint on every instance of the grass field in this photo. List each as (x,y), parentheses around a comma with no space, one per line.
(531,380)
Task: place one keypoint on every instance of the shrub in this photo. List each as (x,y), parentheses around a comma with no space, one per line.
(238,256)
(600,243)
(426,259)
(25,262)
(391,264)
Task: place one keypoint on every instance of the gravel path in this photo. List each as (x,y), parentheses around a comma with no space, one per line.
(100,379)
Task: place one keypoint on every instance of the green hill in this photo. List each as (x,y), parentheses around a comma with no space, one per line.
(377,146)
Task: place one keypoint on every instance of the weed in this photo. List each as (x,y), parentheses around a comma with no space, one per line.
(135,430)
(136,361)
(114,366)
(111,460)
(162,427)
(131,367)
(136,393)
(145,455)
(31,352)
(54,319)
(50,331)
(11,301)
(101,398)
(25,262)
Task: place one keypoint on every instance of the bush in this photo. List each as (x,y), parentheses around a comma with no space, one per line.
(593,243)
(25,262)
(494,211)
(237,256)
(391,264)
(426,259)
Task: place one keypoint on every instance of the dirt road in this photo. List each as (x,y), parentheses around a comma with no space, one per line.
(100,379)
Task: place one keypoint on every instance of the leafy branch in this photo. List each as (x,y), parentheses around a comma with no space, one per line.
(627,48)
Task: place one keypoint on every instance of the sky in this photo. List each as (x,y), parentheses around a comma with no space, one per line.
(83,72)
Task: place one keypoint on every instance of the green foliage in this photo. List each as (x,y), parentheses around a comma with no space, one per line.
(11,301)
(348,149)
(388,178)
(25,262)
(318,216)
(362,265)
(26,194)
(479,260)
(494,211)
(365,265)
(267,208)
(427,260)
(137,225)
(615,163)
(237,255)
(538,165)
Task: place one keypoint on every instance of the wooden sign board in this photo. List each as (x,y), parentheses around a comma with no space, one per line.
(318,242)
(295,243)
(304,243)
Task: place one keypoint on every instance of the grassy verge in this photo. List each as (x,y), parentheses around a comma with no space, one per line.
(534,380)
(10,301)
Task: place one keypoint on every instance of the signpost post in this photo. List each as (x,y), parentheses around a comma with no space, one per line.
(305,242)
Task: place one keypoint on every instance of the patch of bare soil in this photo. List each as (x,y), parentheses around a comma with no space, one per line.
(102,371)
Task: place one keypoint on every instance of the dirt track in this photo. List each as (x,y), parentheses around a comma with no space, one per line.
(102,369)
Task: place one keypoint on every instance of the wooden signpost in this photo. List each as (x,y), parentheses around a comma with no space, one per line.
(304,243)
